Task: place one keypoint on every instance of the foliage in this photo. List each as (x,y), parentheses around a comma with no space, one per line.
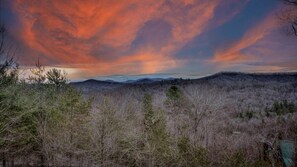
(18,128)
(283,107)
(190,155)
(148,112)
(8,72)
(249,114)
(278,108)
(175,99)
(156,137)
(34,115)
(56,77)
(174,93)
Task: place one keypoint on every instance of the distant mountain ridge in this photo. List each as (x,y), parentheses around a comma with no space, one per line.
(148,80)
(137,81)
(97,85)
(263,77)
(226,75)
(218,78)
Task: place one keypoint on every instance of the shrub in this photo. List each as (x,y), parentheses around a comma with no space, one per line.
(283,107)
(249,114)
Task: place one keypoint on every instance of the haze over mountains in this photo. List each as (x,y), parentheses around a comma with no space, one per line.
(218,78)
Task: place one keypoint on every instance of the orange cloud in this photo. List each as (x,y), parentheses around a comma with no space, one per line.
(189,25)
(95,37)
(64,31)
(234,53)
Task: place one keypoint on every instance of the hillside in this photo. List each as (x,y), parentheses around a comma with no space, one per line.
(219,120)
(222,78)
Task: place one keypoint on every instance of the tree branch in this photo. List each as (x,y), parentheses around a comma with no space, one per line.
(2,33)
(294,2)
(294,29)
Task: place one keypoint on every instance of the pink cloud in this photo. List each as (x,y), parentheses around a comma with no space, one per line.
(67,33)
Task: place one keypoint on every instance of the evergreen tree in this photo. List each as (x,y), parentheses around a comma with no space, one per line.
(55,76)
(176,99)
(157,139)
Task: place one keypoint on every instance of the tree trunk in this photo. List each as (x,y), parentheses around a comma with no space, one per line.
(42,160)
(3,160)
(102,137)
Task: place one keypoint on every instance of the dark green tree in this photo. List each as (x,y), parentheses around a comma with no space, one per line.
(157,138)
(57,77)
(176,99)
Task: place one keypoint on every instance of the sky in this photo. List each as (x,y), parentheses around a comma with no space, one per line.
(131,39)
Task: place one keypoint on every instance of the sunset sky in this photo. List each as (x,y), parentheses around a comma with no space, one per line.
(129,39)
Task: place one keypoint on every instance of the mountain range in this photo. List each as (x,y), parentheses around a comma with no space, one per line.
(222,77)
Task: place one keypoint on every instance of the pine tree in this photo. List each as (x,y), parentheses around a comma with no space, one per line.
(157,139)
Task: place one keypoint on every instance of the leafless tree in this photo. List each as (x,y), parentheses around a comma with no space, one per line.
(104,131)
(8,66)
(2,32)
(206,102)
(288,16)
(38,73)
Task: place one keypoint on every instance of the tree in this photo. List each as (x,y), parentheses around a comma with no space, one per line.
(18,123)
(9,101)
(55,76)
(67,116)
(2,32)
(8,66)
(205,102)
(175,99)
(38,72)
(39,120)
(148,112)
(105,128)
(288,16)
(156,137)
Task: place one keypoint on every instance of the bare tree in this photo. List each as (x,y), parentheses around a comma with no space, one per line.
(290,2)
(288,16)
(2,33)
(8,66)
(104,131)
(206,102)
(38,72)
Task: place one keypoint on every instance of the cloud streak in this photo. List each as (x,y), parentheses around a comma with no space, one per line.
(261,48)
(95,38)
(235,53)
(97,35)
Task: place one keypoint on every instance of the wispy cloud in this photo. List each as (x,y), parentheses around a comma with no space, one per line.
(97,36)
(235,52)
(261,48)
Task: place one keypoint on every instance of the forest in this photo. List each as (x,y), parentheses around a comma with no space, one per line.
(220,121)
